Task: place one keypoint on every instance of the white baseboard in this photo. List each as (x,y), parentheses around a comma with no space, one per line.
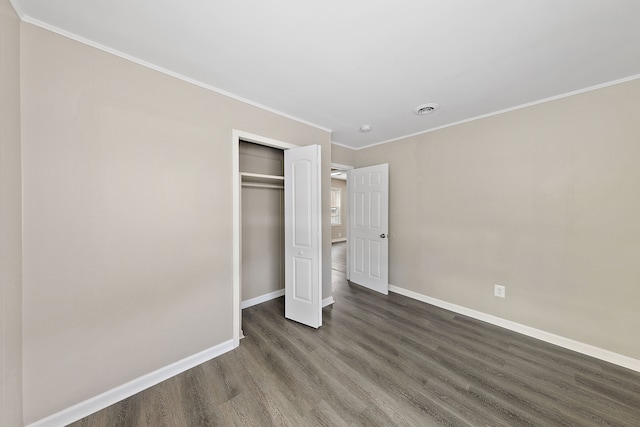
(277,294)
(589,350)
(108,398)
(262,298)
(341,239)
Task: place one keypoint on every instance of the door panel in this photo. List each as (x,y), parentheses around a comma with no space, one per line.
(368,227)
(302,191)
(303,255)
(358,255)
(358,209)
(375,251)
(303,270)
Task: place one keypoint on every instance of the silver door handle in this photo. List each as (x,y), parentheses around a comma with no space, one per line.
(383,235)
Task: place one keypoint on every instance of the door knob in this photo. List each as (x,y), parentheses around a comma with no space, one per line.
(383,235)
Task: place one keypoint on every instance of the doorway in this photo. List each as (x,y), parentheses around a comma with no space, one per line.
(339,221)
(369,227)
(262,223)
(366,226)
(303,228)
(238,136)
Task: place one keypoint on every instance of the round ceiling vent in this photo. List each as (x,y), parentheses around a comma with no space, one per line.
(423,109)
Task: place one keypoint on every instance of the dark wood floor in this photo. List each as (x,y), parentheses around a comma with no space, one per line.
(339,257)
(385,361)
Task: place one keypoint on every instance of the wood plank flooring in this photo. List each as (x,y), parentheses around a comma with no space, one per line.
(339,257)
(384,361)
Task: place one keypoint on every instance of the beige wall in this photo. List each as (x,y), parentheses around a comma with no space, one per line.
(262,241)
(339,232)
(543,200)
(262,223)
(10,220)
(343,155)
(127,217)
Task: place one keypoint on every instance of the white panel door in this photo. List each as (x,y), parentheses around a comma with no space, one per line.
(303,236)
(368,190)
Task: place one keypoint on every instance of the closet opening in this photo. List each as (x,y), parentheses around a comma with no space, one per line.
(262,223)
(266,178)
(277,228)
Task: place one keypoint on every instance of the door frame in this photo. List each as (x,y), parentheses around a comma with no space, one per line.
(345,168)
(238,135)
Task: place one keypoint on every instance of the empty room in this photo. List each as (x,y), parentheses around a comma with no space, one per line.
(328,213)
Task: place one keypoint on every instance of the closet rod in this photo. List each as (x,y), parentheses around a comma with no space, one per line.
(251,184)
(250,175)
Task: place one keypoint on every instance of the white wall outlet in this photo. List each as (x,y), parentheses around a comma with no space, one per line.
(499,291)
(339,234)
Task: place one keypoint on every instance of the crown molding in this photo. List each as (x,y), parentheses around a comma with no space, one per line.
(503,111)
(146,64)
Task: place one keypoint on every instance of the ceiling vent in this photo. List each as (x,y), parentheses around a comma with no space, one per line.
(423,109)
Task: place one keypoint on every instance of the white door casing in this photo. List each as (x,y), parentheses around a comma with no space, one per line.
(303,235)
(368,190)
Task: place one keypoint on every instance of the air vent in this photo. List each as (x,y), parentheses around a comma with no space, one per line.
(423,109)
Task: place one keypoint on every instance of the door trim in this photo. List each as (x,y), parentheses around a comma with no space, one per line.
(238,135)
(345,168)
(341,166)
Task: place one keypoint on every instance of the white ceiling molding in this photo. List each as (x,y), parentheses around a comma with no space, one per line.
(337,65)
(506,110)
(17,8)
(107,49)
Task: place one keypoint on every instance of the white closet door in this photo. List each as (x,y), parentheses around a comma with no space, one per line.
(303,235)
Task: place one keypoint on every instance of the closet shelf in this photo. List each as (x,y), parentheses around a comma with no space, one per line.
(258,178)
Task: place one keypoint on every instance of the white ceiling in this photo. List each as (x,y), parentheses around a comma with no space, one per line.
(341,64)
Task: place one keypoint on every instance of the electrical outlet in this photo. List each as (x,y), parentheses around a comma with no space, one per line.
(499,291)
(339,234)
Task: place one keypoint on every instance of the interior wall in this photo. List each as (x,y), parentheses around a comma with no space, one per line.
(343,155)
(262,223)
(262,241)
(339,232)
(542,200)
(10,220)
(127,193)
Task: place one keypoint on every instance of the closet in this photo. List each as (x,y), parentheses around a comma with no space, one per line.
(262,211)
